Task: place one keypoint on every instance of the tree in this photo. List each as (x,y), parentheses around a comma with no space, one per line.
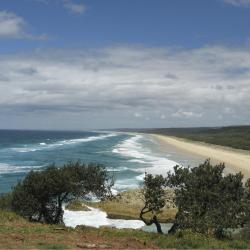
(247,201)
(245,232)
(207,200)
(154,199)
(40,195)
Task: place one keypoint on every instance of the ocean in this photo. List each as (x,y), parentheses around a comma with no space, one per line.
(128,156)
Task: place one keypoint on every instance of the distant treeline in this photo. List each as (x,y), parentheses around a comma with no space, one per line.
(233,136)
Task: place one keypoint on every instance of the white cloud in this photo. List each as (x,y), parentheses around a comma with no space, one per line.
(238,3)
(103,87)
(13,26)
(74,7)
(69,5)
(137,115)
(186,114)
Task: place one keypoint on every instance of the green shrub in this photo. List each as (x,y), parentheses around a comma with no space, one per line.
(39,197)
(207,200)
(5,201)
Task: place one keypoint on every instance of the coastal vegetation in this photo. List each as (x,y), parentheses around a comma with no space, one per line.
(233,136)
(40,196)
(76,205)
(208,209)
(208,201)
(154,199)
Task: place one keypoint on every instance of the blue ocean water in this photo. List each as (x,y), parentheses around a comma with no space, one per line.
(129,156)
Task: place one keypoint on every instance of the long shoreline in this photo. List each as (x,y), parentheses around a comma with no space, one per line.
(235,160)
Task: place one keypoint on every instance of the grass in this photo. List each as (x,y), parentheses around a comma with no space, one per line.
(77,205)
(183,240)
(44,245)
(17,233)
(128,204)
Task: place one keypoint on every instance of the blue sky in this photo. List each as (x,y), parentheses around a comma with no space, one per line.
(189,24)
(182,58)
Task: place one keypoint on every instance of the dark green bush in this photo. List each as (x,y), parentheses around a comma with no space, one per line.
(207,201)
(40,195)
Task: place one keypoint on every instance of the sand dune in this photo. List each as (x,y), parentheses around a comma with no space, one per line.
(235,160)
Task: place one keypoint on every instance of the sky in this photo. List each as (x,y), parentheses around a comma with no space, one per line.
(99,64)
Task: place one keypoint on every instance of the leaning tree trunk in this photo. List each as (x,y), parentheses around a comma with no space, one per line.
(157,224)
(154,220)
(58,219)
(174,228)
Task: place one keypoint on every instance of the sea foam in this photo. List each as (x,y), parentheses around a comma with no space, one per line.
(134,149)
(7,168)
(97,218)
(46,146)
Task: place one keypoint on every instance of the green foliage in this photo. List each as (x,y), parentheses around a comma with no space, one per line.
(154,198)
(247,200)
(207,201)
(245,232)
(76,205)
(41,194)
(5,201)
(153,192)
(233,136)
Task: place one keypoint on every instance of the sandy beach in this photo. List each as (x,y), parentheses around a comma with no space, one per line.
(235,160)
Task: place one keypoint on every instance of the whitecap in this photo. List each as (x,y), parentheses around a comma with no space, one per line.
(137,161)
(7,168)
(152,163)
(24,149)
(125,184)
(118,169)
(45,146)
(88,139)
(140,177)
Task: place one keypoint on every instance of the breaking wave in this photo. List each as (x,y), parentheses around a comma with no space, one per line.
(45,146)
(7,168)
(134,149)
